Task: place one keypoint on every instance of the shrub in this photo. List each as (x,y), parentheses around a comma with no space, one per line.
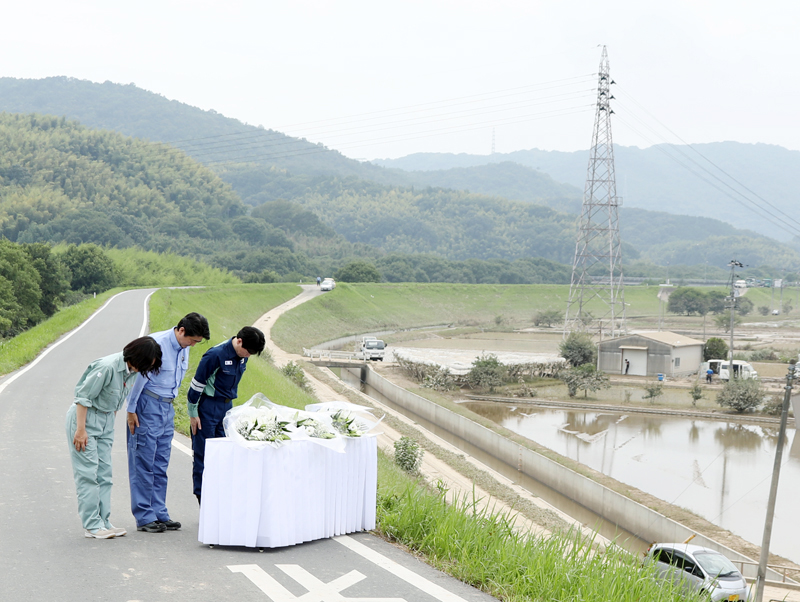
(724,321)
(715,349)
(697,393)
(763,310)
(439,379)
(358,271)
(763,355)
(408,454)
(741,394)
(578,349)
(295,373)
(585,378)
(653,391)
(773,405)
(547,317)
(487,372)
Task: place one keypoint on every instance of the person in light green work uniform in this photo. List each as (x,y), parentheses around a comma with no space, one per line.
(99,394)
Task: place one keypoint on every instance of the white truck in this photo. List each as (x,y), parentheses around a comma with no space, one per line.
(373,349)
(741,369)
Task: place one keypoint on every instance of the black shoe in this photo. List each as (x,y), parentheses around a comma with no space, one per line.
(170,525)
(154,527)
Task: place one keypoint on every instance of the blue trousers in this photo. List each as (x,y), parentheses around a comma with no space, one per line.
(211,411)
(148,457)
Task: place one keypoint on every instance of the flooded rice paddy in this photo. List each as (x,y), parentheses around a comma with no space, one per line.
(717,469)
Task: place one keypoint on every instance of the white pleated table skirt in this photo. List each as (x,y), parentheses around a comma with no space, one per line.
(297,492)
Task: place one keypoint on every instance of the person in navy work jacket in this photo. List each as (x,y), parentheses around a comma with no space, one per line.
(213,389)
(151,424)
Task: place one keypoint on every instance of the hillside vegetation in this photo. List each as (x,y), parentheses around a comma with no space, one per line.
(359,308)
(517,206)
(657,178)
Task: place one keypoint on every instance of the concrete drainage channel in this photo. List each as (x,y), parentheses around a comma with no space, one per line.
(621,517)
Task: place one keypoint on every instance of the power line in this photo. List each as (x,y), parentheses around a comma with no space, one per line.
(782,215)
(749,204)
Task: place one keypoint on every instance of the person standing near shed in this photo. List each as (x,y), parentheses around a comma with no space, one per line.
(99,395)
(212,391)
(627,366)
(151,424)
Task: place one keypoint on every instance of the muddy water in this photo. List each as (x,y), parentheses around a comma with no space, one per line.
(718,470)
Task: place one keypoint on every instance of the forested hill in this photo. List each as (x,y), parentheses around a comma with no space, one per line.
(672,179)
(422,211)
(61,181)
(206,135)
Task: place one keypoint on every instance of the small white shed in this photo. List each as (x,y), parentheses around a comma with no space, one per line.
(651,353)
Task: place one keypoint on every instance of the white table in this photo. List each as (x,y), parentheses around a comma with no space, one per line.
(297,492)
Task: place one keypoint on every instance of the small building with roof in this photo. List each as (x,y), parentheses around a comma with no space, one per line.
(651,353)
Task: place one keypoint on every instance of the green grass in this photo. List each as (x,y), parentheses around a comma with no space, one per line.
(23,348)
(137,267)
(357,308)
(484,550)
(227,309)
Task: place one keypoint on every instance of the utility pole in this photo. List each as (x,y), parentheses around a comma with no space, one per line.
(492,140)
(734,264)
(761,575)
(597,267)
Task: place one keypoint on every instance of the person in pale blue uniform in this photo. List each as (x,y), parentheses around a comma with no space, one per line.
(99,394)
(151,425)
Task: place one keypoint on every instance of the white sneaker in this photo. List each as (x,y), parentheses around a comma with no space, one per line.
(99,534)
(118,531)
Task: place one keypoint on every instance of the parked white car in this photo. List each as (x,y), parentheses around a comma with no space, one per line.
(328,284)
(700,569)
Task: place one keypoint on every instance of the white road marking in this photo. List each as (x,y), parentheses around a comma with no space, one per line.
(398,570)
(59,342)
(317,590)
(181,447)
(146,319)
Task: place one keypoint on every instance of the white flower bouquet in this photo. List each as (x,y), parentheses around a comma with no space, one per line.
(260,422)
(262,425)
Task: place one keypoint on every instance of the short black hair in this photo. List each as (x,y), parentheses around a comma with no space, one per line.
(252,339)
(194,325)
(144,354)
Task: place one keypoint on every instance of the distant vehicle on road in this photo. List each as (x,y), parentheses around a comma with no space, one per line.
(741,369)
(328,284)
(740,284)
(373,349)
(695,568)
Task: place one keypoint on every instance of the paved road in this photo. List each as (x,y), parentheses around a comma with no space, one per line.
(44,555)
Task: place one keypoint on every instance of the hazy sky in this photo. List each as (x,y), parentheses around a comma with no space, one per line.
(385,79)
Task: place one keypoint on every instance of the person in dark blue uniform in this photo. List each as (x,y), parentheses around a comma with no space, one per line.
(213,389)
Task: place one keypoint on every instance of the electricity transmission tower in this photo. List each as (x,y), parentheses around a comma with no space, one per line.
(596,294)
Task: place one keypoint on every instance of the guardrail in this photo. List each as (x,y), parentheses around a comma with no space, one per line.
(330,354)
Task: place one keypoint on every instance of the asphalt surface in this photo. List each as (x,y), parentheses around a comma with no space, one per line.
(44,555)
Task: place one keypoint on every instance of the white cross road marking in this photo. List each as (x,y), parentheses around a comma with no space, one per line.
(317,590)
(398,570)
(322,592)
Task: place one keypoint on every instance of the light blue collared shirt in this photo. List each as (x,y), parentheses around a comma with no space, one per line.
(174,364)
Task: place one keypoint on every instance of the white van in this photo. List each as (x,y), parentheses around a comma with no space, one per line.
(373,349)
(741,369)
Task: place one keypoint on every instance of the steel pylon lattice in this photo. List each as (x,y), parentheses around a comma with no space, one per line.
(596,294)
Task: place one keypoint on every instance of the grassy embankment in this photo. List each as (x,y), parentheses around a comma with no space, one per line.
(227,310)
(357,308)
(23,348)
